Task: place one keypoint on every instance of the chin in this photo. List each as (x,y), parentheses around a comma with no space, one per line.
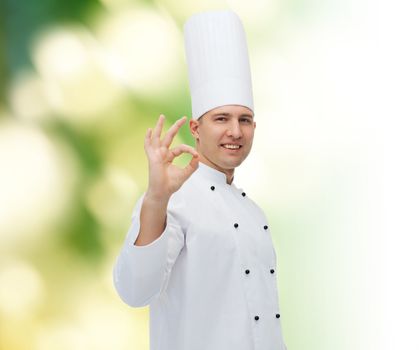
(231,164)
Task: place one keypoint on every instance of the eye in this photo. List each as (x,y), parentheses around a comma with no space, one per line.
(246,120)
(220,118)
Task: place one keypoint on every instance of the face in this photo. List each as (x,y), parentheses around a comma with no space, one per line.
(224,136)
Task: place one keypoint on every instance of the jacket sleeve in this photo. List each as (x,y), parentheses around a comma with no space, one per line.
(141,273)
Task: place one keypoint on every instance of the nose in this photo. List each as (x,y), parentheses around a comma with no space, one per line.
(234,129)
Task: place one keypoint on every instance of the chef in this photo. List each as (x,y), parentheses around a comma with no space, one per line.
(199,251)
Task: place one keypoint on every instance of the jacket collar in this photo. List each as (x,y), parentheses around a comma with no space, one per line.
(212,174)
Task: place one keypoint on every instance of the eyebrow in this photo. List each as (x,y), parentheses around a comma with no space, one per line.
(229,115)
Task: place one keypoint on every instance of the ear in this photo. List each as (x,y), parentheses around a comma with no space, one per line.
(194,128)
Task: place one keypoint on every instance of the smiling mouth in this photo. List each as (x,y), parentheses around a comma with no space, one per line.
(231,146)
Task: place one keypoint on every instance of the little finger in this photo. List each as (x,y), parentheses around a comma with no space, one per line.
(171,133)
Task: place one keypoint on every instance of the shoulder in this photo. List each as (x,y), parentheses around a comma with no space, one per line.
(178,199)
(185,190)
(255,206)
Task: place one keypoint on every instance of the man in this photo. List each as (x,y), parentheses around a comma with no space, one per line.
(199,250)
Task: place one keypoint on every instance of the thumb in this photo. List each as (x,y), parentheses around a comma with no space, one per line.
(192,166)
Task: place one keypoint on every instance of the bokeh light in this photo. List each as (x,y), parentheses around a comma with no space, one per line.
(35,173)
(144,45)
(21,289)
(78,86)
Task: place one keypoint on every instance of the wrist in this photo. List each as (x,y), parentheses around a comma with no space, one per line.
(156,197)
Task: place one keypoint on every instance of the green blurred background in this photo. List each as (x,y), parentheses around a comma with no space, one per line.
(82,80)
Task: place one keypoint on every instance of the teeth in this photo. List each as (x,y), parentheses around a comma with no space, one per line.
(232,146)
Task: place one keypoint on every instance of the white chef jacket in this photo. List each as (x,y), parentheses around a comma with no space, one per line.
(210,278)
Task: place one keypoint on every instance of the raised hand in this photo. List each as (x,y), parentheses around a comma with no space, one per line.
(164,177)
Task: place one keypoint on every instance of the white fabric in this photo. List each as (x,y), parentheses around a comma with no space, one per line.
(218,63)
(193,276)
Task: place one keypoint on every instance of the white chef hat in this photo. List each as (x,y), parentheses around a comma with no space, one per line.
(217,60)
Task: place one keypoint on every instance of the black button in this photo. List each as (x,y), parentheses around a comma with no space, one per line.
(247,272)
(272,270)
(265,227)
(212,188)
(236,225)
(256,318)
(243,194)
(277,315)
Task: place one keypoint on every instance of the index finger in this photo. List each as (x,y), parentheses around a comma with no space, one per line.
(171,133)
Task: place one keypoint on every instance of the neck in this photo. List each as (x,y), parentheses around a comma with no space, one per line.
(228,172)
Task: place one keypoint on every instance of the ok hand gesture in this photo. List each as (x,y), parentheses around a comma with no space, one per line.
(164,177)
